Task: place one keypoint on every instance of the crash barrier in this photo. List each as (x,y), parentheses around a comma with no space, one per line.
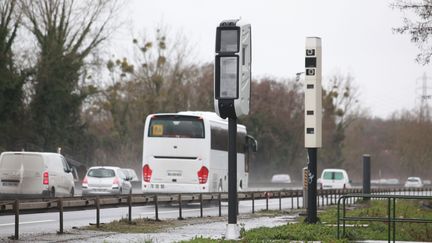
(391,218)
(62,204)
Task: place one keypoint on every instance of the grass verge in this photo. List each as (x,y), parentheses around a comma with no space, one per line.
(326,231)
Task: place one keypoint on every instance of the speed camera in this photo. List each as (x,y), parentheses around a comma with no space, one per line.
(232,69)
(313,93)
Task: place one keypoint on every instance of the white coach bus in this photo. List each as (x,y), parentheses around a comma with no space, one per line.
(188,152)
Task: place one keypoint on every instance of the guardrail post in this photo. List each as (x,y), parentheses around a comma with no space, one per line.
(220,204)
(16,210)
(327,197)
(97,202)
(129,199)
(180,206)
(267,199)
(292,200)
(322,197)
(394,217)
(389,218)
(156,207)
(253,202)
(280,201)
(60,206)
(201,204)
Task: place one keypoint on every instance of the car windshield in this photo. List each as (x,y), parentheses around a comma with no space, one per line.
(413,180)
(101,173)
(332,175)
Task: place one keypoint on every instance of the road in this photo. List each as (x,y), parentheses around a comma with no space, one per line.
(49,222)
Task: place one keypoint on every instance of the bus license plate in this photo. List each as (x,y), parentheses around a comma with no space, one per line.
(10,183)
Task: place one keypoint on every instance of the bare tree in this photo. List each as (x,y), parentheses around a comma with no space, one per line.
(66,32)
(419,28)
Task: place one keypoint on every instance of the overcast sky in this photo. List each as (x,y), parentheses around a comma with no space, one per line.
(357,38)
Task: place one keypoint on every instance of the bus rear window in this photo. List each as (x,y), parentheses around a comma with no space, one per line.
(176,126)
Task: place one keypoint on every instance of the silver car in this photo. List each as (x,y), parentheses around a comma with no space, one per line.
(106,180)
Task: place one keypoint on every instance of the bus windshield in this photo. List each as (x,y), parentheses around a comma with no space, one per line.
(176,126)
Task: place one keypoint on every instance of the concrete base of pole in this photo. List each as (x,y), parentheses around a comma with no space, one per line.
(232,232)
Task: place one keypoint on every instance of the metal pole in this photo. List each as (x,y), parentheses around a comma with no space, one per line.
(180,206)
(156,207)
(60,206)
(366,175)
(253,202)
(16,209)
(312,186)
(130,208)
(201,204)
(232,170)
(97,212)
(267,199)
(220,204)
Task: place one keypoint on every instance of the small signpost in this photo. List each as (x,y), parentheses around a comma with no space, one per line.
(232,98)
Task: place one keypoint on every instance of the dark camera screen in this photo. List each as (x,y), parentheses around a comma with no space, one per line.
(311,62)
(229,42)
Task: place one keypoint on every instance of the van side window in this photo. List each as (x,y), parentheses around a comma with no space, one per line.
(65,165)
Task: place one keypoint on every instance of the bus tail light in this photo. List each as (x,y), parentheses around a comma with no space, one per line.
(45,178)
(203,175)
(147,173)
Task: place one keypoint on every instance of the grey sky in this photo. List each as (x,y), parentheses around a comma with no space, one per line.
(357,38)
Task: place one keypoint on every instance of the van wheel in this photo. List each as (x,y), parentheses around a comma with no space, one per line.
(52,192)
(72,192)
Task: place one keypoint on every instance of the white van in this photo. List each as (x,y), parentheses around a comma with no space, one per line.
(35,174)
(334,179)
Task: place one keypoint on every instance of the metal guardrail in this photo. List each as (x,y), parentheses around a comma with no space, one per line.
(60,205)
(391,210)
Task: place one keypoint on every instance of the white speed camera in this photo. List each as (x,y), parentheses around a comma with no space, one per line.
(313,93)
(232,69)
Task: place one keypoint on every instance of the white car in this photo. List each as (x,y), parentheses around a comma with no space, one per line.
(334,179)
(130,173)
(35,174)
(414,182)
(281,178)
(106,180)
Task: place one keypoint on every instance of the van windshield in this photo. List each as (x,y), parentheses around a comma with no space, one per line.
(176,126)
(31,162)
(101,173)
(333,175)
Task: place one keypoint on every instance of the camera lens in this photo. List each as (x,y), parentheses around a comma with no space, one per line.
(310,52)
(310,72)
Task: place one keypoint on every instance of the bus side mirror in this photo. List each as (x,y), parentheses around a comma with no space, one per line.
(252,143)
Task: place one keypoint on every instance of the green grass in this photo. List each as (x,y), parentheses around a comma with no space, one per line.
(141,225)
(326,233)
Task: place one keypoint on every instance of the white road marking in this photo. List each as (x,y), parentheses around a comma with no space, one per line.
(30,222)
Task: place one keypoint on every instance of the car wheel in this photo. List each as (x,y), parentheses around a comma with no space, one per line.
(121,191)
(72,192)
(52,192)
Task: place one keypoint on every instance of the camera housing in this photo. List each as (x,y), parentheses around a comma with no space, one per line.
(313,93)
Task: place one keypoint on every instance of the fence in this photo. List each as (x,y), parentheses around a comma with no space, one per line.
(391,211)
(60,205)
